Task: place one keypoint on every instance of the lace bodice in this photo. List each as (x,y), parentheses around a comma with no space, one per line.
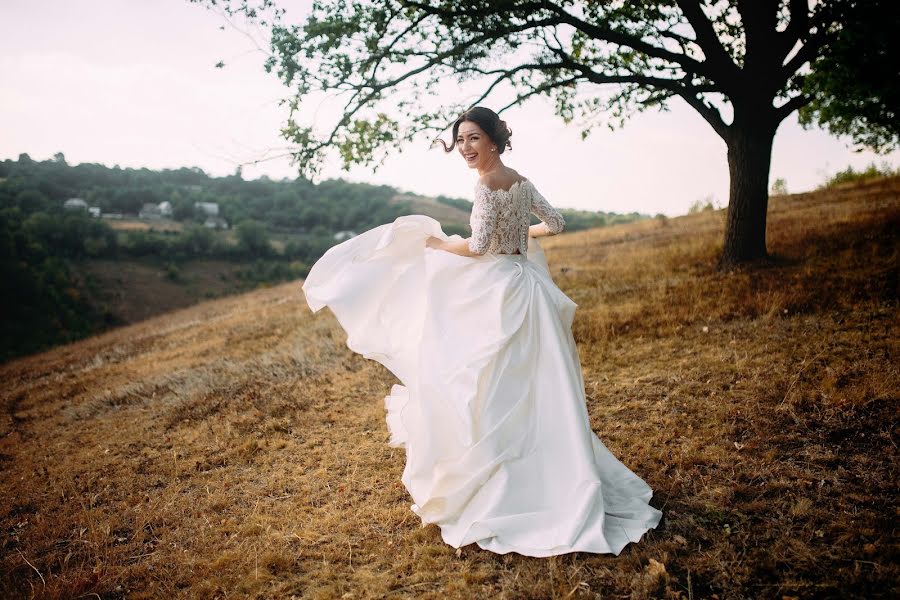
(500,221)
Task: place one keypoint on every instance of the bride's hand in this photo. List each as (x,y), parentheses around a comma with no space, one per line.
(434,242)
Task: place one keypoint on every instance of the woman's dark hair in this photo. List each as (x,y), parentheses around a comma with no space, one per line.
(489,121)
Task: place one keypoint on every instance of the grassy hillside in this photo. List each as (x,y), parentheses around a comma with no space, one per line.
(425,205)
(237,448)
(134,290)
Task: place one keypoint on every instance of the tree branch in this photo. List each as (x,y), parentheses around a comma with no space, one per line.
(674,85)
(806,53)
(719,61)
(507,73)
(538,90)
(386,50)
(797,102)
(597,32)
(687,63)
(710,113)
(798,24)
(822,21)
(353,105)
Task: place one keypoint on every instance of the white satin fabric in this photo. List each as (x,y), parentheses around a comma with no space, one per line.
(491,405)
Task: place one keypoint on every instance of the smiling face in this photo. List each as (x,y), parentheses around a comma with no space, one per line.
(474,145)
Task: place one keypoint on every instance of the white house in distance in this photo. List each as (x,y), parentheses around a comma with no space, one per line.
(213,220)
(150,211)
(75,203)
(210,208)
(344,234)
(215,223)
(80,204)
(155,212)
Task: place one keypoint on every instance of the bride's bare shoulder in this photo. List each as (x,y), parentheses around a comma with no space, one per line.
(501,180)
(518,176)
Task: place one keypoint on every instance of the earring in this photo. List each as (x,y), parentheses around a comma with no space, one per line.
(493,149)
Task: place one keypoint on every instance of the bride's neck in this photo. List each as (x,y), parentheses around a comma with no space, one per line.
(491,166)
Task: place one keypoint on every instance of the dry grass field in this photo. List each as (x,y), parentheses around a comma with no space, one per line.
(237,448)
(144,225)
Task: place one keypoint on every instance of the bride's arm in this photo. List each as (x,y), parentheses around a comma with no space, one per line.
(539,230)
(460,247)
(552,221)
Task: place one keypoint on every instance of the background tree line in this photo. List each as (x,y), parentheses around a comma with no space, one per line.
(32,194)
(299,205)
(44,303)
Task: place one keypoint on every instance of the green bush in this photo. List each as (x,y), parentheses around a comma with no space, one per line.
(266,272)
(779,187)
(173,272)
(849,175)
(253,238)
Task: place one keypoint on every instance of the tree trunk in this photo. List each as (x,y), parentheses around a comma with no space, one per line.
(749,159)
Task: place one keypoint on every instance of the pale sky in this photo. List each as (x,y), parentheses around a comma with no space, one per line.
(133,83)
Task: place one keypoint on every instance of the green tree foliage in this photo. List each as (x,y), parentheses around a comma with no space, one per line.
(71,234)
(850,175)
(385,57)
(198,240)
(292,208)
(855,83)
(253,238)
(41,303)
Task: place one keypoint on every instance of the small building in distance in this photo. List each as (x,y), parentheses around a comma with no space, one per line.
(80,204)
(165,208)
(75,203)
(210,208)
(150,211)
(344,234)
(215,223)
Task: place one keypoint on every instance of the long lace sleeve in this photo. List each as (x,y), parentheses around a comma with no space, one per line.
(483,220)
(548,214)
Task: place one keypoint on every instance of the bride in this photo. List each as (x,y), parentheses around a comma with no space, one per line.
(491,405)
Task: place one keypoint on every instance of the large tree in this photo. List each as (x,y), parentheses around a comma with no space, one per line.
(746,58)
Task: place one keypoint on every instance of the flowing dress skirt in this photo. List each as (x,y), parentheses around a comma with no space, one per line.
(491,405)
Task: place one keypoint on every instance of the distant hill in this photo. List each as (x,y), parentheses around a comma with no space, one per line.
(433,207)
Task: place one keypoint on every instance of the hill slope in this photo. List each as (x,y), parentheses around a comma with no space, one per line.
(434,208)
(238,447)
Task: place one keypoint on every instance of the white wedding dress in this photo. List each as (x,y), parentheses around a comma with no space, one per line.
(491,405)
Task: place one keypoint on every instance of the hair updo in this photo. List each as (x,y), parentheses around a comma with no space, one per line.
(489,121)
